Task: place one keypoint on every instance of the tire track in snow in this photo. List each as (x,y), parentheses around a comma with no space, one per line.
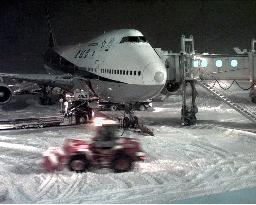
(58,185)
(209,149)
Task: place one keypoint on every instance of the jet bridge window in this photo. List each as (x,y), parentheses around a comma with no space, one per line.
(195,63)
(204,63)
(233,63)
(218,63)
(133,39)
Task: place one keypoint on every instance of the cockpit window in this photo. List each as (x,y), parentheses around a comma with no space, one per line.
(133,39)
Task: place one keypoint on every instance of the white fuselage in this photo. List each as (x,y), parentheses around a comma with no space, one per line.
(121,66)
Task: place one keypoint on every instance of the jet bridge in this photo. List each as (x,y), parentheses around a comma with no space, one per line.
(228,67)
(187,67)
(179,74)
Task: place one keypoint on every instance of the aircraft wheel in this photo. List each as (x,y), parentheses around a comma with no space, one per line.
(78,163)
(135,122)
(126,122)
(46,101)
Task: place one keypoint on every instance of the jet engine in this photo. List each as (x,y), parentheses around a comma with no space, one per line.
(5,94)
(170,87)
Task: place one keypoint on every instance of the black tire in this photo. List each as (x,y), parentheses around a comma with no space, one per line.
(142,107)
(90,115)
(253,99)
(135,122)
(126,122)
(81,119)
(113,107)
(45,101)
(122,163)
(78,163)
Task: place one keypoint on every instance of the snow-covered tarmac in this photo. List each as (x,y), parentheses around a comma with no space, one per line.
(214,156)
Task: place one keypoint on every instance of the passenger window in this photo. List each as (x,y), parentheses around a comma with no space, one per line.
(127,72)
(134,73)
(118,72)
(115,71)
(139,73)
(123,72)
(130,72)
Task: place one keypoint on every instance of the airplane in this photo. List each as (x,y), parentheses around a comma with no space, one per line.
(118,66)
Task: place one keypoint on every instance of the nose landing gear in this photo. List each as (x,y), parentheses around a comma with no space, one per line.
(130,120)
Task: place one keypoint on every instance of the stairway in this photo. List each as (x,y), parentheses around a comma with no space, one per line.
(246,112)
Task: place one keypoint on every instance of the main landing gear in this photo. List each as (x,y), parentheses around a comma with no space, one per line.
(82,112)
(45,99)
(129,120)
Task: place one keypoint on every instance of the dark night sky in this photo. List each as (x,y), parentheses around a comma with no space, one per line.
(217,26)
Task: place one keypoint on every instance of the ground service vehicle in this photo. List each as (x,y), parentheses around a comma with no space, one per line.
(104,150)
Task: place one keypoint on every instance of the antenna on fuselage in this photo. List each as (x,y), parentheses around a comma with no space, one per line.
(51,40)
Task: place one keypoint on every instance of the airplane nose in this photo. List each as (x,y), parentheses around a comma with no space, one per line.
(158,71)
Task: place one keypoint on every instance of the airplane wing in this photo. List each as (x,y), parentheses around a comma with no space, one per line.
(66,82)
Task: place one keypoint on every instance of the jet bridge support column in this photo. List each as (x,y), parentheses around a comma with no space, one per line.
(188,113)
(252,66)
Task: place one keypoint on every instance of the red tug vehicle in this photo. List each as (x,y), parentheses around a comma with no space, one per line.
(104,150)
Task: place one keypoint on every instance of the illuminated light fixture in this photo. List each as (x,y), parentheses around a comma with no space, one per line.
(204,63)
(195,63)
(218,63)
(233,63)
